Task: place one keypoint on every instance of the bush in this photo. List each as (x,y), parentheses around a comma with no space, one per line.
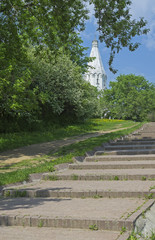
(48,89)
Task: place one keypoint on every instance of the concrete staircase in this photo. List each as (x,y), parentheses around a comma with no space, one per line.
(106,192)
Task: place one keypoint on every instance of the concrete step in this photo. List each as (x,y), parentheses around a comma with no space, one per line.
(98,158)
(114,165)
(127,152)
(132,143)
(102,174)
(106,213)
(83,189)
(35,233)
(145,139)
(128,147)
(147,135)
(149,130)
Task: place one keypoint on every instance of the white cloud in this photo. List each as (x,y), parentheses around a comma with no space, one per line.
(90,7)
(150,38)
(92,18)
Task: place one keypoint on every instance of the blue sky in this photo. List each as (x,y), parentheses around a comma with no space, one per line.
(140,62)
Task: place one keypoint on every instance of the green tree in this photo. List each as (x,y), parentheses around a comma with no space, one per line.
(61,89)
(117,27)
(55,24)
(42,22)
(130,97)
(17,98)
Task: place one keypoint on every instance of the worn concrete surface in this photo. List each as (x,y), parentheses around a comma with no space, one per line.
(72,208)
(98,174)
(88,185)
(36,233)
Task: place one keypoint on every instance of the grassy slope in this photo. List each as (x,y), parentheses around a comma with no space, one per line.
(63,155)
(15,140)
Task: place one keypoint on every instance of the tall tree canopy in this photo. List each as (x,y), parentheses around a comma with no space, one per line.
(49,30)
(55,23)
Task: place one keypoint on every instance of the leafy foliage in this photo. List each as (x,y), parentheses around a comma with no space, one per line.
(37,22)
(117,26)
(52,87)
(130,97)
(42,58)
(61,88)
(55,24)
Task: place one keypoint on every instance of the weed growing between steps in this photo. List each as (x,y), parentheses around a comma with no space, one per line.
(74,177)
(123,230)
(93,227)
(138,236)
(15,194)
(149,196)
(52,178)
(97,196)
(63,155)
(143,178)
(153,187)
(41,223)
(138,208)
(116,178)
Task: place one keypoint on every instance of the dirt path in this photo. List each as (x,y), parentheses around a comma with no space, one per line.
(39,150)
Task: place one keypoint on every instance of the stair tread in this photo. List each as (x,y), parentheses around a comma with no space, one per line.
(72,208)
(123,156)
(152,146)
(128,151)
(104,171)
(115,163)
(120,157)
(132,143)
(36,233)
(88,186)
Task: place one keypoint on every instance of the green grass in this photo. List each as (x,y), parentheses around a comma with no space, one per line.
(63,155)
(55,132)
(23,174)
(79,149)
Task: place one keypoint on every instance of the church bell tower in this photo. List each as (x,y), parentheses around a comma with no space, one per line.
(96,74)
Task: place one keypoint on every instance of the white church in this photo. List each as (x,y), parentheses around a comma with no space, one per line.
(96,74)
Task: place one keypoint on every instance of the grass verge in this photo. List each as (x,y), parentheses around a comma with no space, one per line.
(63,155)
(55,132)
(80,148)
